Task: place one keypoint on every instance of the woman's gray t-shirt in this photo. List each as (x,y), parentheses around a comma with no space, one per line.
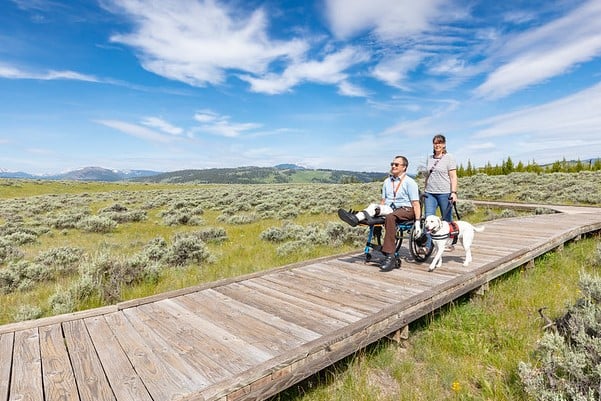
(439,181)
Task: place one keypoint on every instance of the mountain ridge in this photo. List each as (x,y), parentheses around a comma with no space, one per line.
(282,173)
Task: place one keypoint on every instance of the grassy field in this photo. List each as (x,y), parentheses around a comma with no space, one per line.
(108,233)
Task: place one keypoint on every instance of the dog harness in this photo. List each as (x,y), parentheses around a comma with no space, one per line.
(452,234)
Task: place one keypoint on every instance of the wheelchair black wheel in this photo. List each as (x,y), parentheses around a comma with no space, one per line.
(420,253)
(367,257)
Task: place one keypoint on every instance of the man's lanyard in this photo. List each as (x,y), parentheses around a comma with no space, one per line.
(395,189)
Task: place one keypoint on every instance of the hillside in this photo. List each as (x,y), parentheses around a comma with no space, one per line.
(262,175)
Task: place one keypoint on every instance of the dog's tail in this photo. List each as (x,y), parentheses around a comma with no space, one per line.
(479,229)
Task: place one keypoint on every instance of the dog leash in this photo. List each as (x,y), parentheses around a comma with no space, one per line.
(452,205)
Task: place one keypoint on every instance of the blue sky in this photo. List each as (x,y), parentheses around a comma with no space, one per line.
(334,84)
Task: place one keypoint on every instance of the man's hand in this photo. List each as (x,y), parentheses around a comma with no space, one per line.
(418,228)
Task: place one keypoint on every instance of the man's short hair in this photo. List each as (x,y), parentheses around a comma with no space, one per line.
(405,161)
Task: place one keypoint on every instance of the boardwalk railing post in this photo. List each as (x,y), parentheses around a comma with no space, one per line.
(400,336)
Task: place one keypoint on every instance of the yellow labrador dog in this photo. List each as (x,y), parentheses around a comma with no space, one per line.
(441,232)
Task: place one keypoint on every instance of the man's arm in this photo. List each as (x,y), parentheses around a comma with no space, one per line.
(416,209)
(418,213)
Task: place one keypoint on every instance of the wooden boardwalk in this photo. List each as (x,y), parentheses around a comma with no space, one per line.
(250,337)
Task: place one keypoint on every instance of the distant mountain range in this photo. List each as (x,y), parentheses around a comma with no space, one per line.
(84,174)
(282,173)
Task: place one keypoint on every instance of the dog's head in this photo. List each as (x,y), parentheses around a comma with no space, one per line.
(433,223)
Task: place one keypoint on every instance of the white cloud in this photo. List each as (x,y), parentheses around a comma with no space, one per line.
(546,51)
(560,119)
(136,131)
(330,70)
(198,41)
(388,19)
(11,72)
(215,124)
(393,70)
(345,88)
(205,116)
(155,122)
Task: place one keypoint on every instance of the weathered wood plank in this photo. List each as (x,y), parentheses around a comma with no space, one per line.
(28,324)
(26,378)
(151,359)
(376,281)
(6,360)
(280,305)
(123,379)
(303,296)
(324,295)
(190,333)
(58,377)
(403,284)
(88,371)
(288,328)
(261,335)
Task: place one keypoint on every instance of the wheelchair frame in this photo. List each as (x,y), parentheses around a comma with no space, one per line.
(376,225)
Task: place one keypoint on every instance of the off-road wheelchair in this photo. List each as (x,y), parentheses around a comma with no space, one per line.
(420,247)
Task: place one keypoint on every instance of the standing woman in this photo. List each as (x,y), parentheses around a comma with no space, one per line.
(441,180)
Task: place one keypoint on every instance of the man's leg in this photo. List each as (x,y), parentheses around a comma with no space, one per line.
(388,248)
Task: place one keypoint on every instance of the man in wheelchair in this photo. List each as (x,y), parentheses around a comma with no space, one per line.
(400,203)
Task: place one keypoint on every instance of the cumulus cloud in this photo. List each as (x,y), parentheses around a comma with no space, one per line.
(546,51)
(197,42)
(387,19)
(330,70)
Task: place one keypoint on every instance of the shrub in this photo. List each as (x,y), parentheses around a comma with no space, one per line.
(64,260)
(61,302)
(186,249)
(27,312)
(568,358)
(181,217)
(8,251)
(273,234)
(212,234)
(507,213)
(84,288)
(21,238)
(21,275)
(68,220)
(465,207)
(106,275)
(97,224)
(238,218)
(156,249)
(125,216)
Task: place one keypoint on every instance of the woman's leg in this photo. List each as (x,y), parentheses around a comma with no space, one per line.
(430,204)
(446,209)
